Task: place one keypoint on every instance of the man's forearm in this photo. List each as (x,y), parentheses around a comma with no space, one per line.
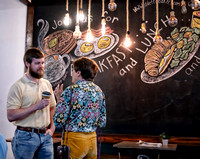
(20,113)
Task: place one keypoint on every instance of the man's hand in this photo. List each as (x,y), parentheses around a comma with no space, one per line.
(42,104)
(51,130)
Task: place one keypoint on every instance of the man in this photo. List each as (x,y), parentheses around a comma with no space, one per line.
(82,107)
(32,115)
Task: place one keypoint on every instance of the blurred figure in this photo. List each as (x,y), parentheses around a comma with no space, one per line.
(81,109)
(3,147)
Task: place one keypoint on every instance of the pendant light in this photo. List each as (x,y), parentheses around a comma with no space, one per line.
(77,33)
(172,21)
(89,36)
(157,38)
(81,13)
(127,41)
(183,7)
(195,4)
(103,20)
(112,6)
(143,25)
(67,19)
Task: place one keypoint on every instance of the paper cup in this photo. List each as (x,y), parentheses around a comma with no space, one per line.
(46,95)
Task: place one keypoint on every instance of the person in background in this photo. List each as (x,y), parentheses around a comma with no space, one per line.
(32,115)
(3,147)
(82,106)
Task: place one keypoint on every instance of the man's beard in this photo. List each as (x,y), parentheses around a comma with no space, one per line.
(35,74)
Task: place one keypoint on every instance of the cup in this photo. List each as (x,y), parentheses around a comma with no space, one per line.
(46,95)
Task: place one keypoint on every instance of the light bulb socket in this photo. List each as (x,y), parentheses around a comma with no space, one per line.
(143,25)
(67,12)
(102,17)
(128,32)
(171,10)
(103,21)
(183,3)
(172,14)
(143,21)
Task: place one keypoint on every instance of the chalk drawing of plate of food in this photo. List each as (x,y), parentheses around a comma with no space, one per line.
(105,43)
(59,42)
(101,44)
(55,66)
(167,58)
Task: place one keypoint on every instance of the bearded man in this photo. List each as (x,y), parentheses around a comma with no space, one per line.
(30,113)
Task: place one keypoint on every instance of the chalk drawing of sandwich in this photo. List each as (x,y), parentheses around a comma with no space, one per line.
(167,58)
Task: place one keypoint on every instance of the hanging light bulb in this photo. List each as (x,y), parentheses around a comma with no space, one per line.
(89,36)
(127,41)
(157,39)
(103,20)
(67,19)
(77,33)
(195,4)
(172,21)
(183,7)
(143,25)
(112,6)
(103,23)
(81,13)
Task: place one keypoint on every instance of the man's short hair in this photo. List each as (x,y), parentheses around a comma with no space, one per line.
(32,53)
(87,67)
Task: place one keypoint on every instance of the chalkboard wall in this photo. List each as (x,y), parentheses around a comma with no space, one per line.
(137,103)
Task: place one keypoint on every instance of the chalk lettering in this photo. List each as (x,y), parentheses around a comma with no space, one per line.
(127,68)
(151,35)
(193,66)
(144,52)
(115,18)
(124,55)
(146,43)
(58,23)
(121,45)
(101,64)
(122,72)
(109,61)
(165,21)
(55,25)
(117,59)
(133,62)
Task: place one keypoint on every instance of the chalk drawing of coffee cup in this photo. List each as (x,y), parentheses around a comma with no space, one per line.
(55,66)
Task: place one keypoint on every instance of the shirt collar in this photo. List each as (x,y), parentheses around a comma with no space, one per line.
(26,79)
(82,80)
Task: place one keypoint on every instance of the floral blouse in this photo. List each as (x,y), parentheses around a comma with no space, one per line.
(88,109)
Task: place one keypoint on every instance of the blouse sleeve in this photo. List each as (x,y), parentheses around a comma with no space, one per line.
(62,109)
(102,119)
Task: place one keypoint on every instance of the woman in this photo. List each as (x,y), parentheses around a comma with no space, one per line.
(82,108)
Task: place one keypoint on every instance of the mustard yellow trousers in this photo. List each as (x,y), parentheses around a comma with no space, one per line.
(82,145)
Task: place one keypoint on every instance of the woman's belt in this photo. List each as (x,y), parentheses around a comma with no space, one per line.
(28,129)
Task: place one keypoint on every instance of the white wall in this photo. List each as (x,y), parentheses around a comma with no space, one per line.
(12,48)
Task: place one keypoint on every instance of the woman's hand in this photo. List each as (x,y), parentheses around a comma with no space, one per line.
(58,91)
